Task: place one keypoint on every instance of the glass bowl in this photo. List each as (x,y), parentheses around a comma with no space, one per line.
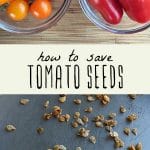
(32,25)
(127,26)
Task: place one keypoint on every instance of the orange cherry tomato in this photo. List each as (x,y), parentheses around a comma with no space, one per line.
(18,10)
(41,9)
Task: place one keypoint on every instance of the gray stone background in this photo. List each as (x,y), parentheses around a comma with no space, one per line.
(28,118)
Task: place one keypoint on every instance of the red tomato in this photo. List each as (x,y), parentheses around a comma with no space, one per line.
(18,10)
(111,10)
(41,9)
(138,10)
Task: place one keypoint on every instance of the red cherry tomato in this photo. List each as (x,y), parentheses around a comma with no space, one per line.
(111,10)
(138,10)
(41,9)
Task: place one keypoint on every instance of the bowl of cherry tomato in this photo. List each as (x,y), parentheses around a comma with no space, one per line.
(118,16)
(31,16)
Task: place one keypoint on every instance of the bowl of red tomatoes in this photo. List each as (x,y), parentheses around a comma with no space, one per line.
(31,16)
(118,16)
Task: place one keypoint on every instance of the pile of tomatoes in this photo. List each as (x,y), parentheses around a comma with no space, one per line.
(112,10)
(19,9)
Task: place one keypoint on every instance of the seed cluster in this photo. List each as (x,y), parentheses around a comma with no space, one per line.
(62,98)
(79,121)
(90,98)
(24,101)
(105,99)
(127,131)
(40,130)
(78,148)
(132,117)
(88,110)
(92,139)
(58,147)
(57,113)
(10,128)
(82,132)
(132,96)
(77,101)
(122,109)
(46,104)
(135,147)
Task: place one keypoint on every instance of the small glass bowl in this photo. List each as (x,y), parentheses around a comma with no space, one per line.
(30,24)
(127,26)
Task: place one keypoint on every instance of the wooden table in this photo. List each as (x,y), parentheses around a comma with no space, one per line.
(74,27)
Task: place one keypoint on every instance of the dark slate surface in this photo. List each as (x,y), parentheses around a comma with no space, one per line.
(28,118)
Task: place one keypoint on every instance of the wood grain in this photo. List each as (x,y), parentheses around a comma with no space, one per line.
(74,27)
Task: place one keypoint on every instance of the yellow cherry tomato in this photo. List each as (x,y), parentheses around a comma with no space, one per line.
(3,2)
(18,10)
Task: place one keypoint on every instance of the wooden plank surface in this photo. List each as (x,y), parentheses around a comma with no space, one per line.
(74,27)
